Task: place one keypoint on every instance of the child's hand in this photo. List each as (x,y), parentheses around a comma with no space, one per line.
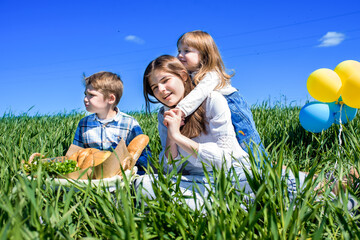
(173,120)
(182,113)
(176,110)
(182,116)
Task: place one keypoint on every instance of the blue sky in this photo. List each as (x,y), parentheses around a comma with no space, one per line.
(273,46)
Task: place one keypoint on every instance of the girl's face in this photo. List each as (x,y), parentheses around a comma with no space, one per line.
(167,88)
(189,56)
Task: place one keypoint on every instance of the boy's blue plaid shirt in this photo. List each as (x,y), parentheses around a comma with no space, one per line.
(93,133)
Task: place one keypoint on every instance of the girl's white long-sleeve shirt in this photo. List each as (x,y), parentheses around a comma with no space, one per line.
(195,98)
(215,147)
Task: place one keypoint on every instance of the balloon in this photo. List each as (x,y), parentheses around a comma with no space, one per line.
(324,85)
(347,113)
(346,68)
(351,90)
(316,117)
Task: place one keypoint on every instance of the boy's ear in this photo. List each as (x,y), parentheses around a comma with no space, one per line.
(111,98)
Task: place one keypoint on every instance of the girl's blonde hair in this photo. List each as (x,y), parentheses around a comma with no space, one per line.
(210,58)
(194,123)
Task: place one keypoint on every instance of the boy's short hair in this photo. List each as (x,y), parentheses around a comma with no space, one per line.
(107,83)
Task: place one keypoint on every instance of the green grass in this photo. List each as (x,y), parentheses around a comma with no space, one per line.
(35,209)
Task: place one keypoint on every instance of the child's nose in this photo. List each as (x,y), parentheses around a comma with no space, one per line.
(161,87)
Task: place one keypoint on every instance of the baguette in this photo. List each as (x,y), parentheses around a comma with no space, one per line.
(95,159)
(75,156)
(135,148)
(88,157)
(83,154)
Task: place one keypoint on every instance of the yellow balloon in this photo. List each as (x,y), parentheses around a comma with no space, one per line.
(324,85)
(346,68)
(351,90)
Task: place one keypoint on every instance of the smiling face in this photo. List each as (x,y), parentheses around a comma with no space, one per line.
(167,88)
(189,57)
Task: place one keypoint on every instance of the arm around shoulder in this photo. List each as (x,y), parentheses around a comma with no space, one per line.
(195,98)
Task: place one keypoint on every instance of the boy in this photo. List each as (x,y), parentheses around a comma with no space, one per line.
(107,125)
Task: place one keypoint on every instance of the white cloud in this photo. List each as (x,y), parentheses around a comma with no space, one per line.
(331,39)
(135,39)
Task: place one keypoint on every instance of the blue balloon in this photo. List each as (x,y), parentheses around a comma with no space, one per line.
(347,113)
(316,117)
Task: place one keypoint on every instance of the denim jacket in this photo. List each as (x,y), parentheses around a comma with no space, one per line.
(243,122)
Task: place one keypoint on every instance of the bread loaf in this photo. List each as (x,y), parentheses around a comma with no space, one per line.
(74,156)
(95,159)
(135,148)
(83,154)
(88,157)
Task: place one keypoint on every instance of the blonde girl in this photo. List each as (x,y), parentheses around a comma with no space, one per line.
(199,54)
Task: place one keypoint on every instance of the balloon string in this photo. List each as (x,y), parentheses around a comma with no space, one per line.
(340,141)
(341,128)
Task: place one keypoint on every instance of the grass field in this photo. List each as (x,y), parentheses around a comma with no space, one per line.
(35,209)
